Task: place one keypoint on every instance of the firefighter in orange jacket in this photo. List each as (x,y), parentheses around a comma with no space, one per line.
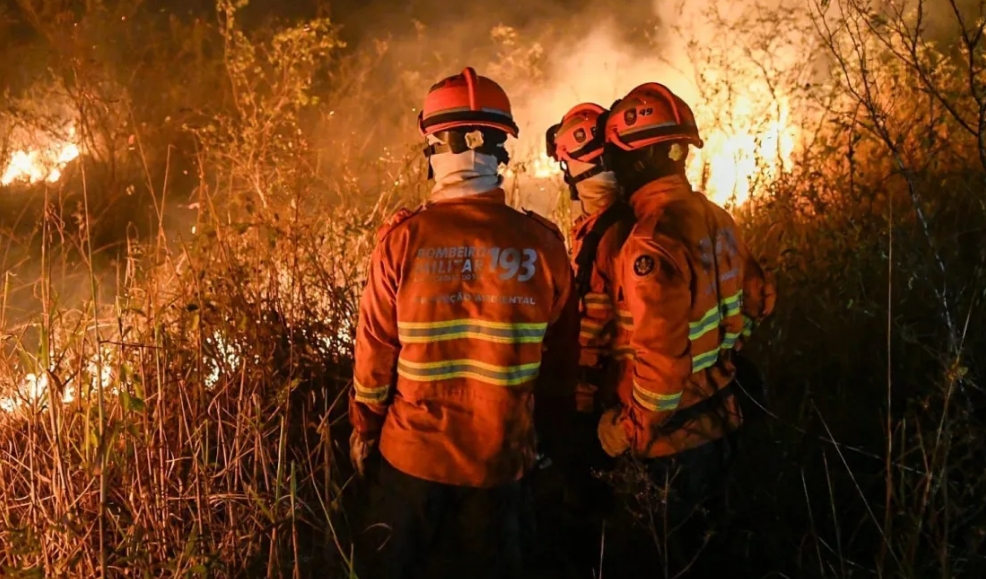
(694,293)
(466,340)
(600,227)
(599,230)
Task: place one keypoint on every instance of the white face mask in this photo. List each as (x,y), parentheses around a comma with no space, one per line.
(597,192)
(461,174)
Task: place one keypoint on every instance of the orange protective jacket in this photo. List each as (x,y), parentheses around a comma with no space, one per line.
(694,292)
(468,327)
(599,323)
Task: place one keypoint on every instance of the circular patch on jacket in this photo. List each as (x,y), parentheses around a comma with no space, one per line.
(630,116)
(643,265)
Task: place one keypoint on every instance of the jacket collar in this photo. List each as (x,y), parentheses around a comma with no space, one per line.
(584,222)
(495,195)
(658,192)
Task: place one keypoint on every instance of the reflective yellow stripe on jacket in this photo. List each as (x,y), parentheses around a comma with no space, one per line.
(591,330)
(466,368)
(623,353)
(498,332)
(747,326)
(711,321)
(622,349)
(375,395)
(599,303)
(624,320)
(655,402)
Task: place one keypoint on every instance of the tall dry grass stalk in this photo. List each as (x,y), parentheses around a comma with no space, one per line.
(184,417)
(186,428)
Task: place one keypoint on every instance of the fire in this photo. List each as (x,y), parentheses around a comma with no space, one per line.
(544,167)
(748,101)
(34,389)
(31,389)
(742,159)
(735,162)
(45,163)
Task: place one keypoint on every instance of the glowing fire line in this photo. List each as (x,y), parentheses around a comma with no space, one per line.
(32,166)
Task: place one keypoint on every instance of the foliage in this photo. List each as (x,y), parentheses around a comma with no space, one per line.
(177,311)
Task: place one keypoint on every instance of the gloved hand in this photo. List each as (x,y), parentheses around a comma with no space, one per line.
(585,397)
(611,433)
(541,459)
(359,449)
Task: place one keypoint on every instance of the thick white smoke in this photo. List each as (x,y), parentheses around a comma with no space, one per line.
(746,124)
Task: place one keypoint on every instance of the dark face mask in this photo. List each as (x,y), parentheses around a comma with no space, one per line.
(634,169)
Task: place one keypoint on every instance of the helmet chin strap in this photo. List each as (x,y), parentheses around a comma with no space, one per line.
(573,181)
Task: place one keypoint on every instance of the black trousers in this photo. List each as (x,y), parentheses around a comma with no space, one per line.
(593,497)
(565,507)
(438,530)
(668,528)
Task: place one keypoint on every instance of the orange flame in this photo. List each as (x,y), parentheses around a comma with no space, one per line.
(45,163)
(743,159)
(736,162)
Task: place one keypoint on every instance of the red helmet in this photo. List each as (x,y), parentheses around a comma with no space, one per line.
(650,114)
(466,100)
(579,136)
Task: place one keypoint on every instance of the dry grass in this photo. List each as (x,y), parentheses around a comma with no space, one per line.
(205,366)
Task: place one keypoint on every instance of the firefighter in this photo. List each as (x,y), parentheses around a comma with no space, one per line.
(600,227)
(466,341)
(601,224)
(693,293)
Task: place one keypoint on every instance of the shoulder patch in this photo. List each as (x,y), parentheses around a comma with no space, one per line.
(643,265)
(402,215)
(544,221)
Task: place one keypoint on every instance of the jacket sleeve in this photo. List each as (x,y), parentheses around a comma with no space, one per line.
(377,346)
(597,326)
(554,395)
(759,293)
(657,284)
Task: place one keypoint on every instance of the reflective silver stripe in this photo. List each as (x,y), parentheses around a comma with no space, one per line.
(704,360)
(708,322)
(733,304)
(729,306)
(748,324)
(499,332)
(466,368)
(597,300)
(729,340)
(655,402)
(375,395)
(624,319)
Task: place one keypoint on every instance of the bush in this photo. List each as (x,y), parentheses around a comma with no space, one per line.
(178,308)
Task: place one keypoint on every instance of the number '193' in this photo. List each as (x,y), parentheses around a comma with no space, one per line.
(511,261)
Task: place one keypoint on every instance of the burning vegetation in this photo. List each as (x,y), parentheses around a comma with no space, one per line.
(188,200)
(36,162)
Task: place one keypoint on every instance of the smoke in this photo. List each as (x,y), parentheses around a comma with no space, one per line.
(599,67)
(734,63)
(741,66)
(700,50)
(548,57)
